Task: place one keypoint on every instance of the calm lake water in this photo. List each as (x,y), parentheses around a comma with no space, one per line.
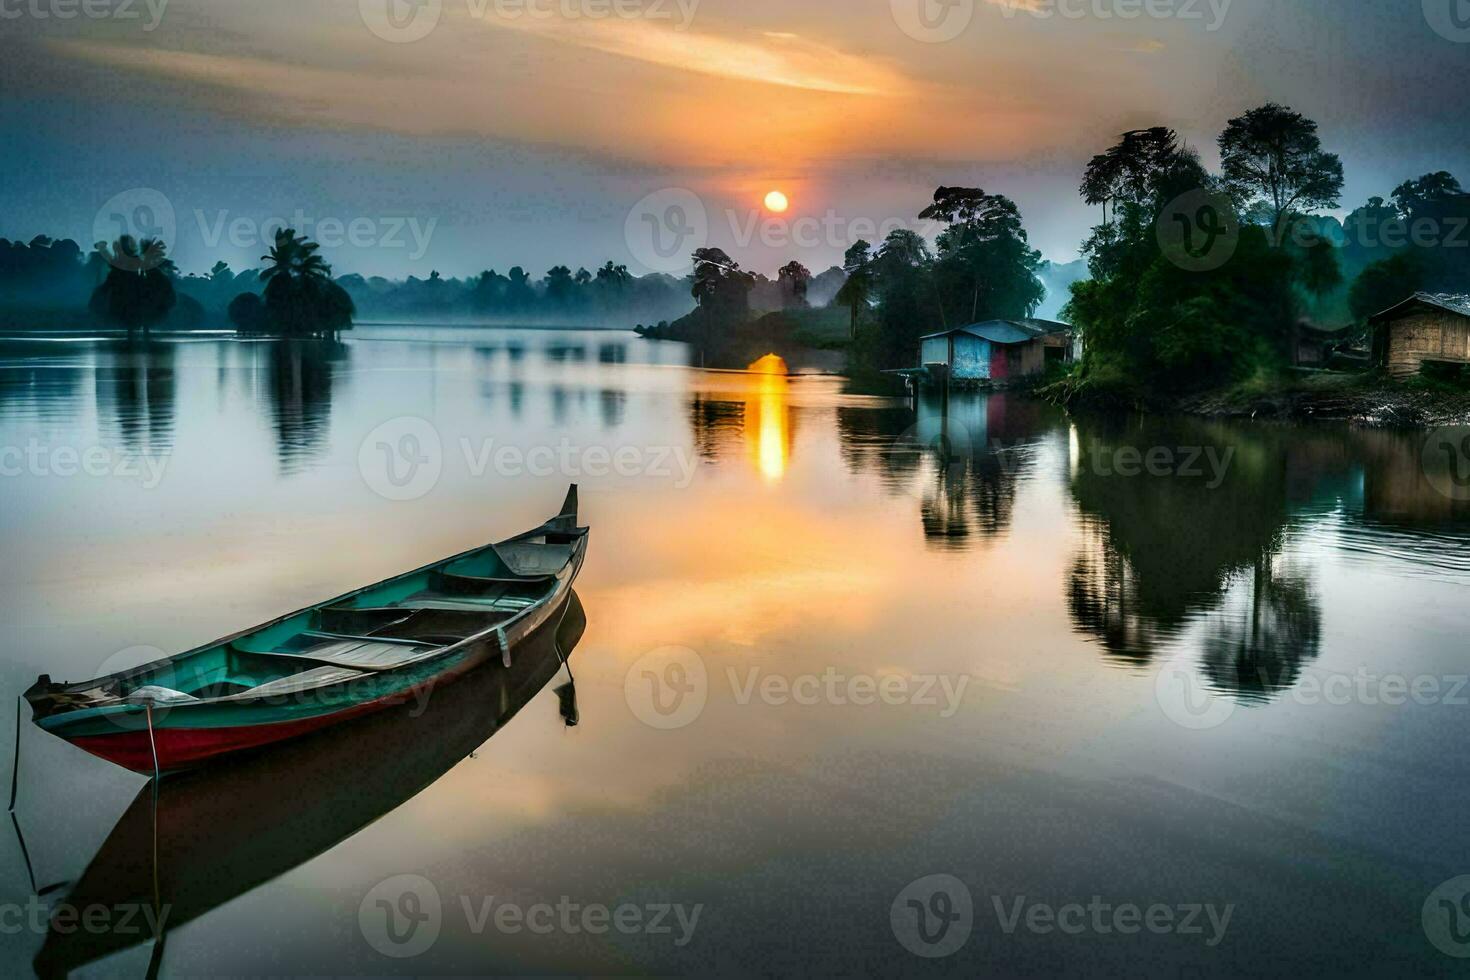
(1077,668)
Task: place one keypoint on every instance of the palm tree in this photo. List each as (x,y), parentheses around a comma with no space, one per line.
(139,289)
(300,296)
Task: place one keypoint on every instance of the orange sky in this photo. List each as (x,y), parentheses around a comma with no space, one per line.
(545,129)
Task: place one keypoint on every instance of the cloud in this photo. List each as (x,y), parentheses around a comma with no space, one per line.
(775,58)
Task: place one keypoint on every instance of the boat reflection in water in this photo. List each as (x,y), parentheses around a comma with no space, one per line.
(279,809)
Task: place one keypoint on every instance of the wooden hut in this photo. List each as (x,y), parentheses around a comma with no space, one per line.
(1313,346)
(997,350)
(1426,328)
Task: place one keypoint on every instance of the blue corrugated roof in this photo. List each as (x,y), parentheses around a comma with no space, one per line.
(1006,331)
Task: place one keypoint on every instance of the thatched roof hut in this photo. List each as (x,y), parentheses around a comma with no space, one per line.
(1426,328)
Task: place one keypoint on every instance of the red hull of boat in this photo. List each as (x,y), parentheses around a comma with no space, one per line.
(184,748)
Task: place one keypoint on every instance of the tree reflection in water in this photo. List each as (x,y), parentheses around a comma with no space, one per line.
(135,388)
(1191,551)
(1257,641)
(301,376)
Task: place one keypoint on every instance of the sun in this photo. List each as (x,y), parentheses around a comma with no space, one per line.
(776,201)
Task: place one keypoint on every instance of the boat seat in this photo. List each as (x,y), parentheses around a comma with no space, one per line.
(307,680)
(430,623)
(327,635)
(359,653)
(530,559)
(352,621)
(458,584)
(469,603)
(367,654)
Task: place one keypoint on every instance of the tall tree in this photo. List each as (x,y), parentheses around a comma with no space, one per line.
(1385,284)
(1139,169)
(138,292)
(1368,234)
(300,297)
(519,294)
(488,295)
(986,263)
(908,303)
(1272,160)
(794,279)
(1435,212)
(1152,325)
(1140,175)
(903,249)
(613,277)
(857,288)
(1414,197)
(560,286)
(719,286)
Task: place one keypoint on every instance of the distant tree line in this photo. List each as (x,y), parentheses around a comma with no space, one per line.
(981,267)
(135,285)
(1194,278)
(561,296)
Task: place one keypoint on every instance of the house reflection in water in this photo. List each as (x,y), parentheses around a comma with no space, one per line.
(964,460)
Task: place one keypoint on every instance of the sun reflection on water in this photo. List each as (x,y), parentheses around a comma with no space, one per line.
(768,418)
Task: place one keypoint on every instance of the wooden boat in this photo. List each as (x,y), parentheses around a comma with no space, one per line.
(278,812)
(352,655)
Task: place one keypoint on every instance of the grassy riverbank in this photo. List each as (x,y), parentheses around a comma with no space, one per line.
(1367,398)
(1371,399)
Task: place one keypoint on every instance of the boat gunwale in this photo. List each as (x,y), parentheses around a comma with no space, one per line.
(578,551)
